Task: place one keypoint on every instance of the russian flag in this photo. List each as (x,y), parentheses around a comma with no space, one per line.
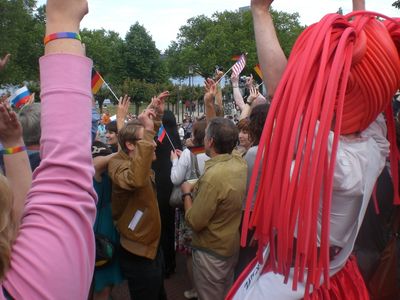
(161,133)
(20,97)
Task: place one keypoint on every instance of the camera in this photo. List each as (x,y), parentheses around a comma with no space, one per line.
(242,79)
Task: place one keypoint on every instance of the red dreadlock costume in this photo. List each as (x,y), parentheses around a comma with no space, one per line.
(342,73)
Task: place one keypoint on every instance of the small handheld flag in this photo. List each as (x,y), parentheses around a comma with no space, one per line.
(161,133)
(257,69)
(20,97)
(97,81)
(239,65)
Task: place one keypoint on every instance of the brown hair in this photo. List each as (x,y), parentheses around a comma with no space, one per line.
(243,125)
(199,131)
(129,133)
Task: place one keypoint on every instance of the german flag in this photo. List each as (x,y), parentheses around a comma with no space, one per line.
(197,150)
(97,81)
(258,71)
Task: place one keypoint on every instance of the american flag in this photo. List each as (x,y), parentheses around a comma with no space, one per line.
(239,65)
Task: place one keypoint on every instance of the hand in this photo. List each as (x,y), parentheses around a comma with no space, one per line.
(158,103)
(234,80)
(249,81)
(4,61)
(67,14)
(122,110)
(210,89)
(186,187)
(10,127)
(146,117)
(175,154)
(261,4)
(253,94)
(218,75)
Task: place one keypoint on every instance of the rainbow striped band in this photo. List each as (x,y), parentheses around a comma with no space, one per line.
(61,35)
(13,150)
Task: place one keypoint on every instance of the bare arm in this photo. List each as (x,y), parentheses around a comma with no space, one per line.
(358,5)
(210,89)
(100,164)
(17,167)
(270,54)
(218,94)
(237,96)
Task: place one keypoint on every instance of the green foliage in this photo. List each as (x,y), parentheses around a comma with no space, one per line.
(142,57)
(106,49)
(21,34)
(206,42)
(396,4)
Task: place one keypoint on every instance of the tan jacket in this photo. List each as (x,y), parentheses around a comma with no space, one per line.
(217,207)
(134,202)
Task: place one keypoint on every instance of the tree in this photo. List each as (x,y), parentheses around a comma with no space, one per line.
(396,4)
(206,42)
(143,59)
(106,49)
(21,32)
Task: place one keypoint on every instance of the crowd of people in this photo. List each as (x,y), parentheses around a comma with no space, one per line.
(264,204)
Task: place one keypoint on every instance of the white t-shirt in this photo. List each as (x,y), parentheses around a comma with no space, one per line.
(359,163)
(181,167)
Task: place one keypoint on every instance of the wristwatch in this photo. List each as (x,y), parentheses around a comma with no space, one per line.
(186,194)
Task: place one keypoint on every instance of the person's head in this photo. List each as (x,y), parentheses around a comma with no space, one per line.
(244,137)
(221,137)
(257,119)
(198,132)
(112,133)
(169,120)
(129,135)
(29,117)
(7,225)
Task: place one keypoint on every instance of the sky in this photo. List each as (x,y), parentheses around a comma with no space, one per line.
(163,18)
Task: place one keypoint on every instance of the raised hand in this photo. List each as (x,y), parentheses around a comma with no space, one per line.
(68,13)
(261,4)
(253,94)
(249,81)
(4,61)
(210,89)
(157,103)
(146,117)
(122,110)
(10,127)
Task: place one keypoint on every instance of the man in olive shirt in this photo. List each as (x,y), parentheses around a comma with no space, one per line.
(215,212)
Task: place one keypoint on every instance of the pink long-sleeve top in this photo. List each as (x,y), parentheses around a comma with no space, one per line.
(54,253)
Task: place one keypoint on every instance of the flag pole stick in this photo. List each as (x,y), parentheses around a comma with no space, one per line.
(228,71)
(105,82)
(224,75)
(166,133)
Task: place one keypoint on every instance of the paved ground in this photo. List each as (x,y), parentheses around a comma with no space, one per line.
(175,285)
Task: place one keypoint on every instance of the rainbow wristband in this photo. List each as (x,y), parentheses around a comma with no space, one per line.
(13,150)
(61,35)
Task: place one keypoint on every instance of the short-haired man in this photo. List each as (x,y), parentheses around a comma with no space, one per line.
(135,209)
(215,212)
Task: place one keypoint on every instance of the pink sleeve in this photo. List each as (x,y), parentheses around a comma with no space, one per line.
(53,256)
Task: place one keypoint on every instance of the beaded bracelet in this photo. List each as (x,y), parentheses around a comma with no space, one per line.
(61,35)
(13,150)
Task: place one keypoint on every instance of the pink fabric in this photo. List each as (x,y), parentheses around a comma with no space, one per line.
(53,257)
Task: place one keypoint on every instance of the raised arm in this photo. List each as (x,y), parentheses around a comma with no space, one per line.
(17,167)
(358,5)
(54,253)
(237,95)
(209,96)
(270,54)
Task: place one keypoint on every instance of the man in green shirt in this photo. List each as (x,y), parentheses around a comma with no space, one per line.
(214,213)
